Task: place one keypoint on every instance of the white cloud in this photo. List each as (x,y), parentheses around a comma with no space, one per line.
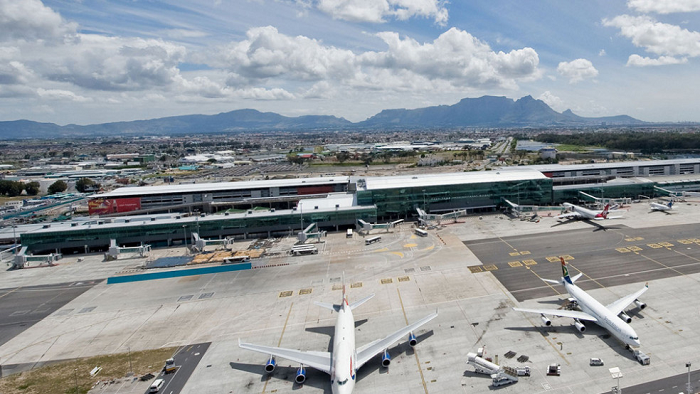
(60,95)
(32,20)
(602,52)
(577,70)
(455,59)
(664,6)
(553,101)
(656,37)
(639,61)
(377,11)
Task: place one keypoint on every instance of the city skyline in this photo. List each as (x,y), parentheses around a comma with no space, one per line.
(84,62)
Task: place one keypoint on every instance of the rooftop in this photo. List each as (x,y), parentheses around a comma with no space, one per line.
(456,178)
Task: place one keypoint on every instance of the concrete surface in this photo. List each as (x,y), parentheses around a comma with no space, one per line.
(411,277)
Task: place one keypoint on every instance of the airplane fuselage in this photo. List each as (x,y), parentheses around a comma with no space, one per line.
(344,359)
(606,319)
(583,212)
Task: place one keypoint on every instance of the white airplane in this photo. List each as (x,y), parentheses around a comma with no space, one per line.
(655,206)
(581,213)
(592,310)
(343,363)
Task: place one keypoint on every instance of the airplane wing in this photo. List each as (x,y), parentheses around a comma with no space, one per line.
(317,360)
(366,352)
(560,312)
(619,305)
(609,217)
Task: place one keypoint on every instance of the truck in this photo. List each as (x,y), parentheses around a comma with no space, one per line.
(642,357)
(169,366)
(554,370)
(299,250)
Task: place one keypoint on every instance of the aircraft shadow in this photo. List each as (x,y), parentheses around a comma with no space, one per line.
(316,379)
(375,364)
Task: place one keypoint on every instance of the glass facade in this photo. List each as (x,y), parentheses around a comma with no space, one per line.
(401,202)
(161,234)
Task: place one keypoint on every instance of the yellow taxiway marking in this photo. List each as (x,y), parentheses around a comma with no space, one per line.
(666,244)
(515,264)
(381,250)
(529,262)
(634,248)
(553,259)
(491,267)
(413,236)
(10,292)
(279,343)
(686,241)
(475,269)
(398,254)
(654,246)
(514,253)
(524,252)
(410,245)
(540,278)
(431,247)
(567,257)
(623,250)
(415,353)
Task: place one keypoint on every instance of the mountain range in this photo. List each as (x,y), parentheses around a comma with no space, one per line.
(486,111)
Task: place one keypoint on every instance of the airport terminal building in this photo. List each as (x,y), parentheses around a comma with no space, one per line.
(281,207)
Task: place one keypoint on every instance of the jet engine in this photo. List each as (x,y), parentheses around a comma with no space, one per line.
(625,317)
(301,375)
(546,321)
(412,340)
(640,304)
(270,365)
(579,326)
(386,359)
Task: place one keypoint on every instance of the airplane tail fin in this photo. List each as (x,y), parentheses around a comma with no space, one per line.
(670,204)
(344,303)
(565,271)
(604,214)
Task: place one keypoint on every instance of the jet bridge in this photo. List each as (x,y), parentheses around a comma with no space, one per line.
(429,219)
(115,251)
(198,244)
(23,260)
(309,233)
(363,227)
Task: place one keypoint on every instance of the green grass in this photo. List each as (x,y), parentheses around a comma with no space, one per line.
(575,148)
(61,377)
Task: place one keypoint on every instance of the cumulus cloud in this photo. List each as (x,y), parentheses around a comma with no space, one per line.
(577,70)
(639,61)
(455,58)
(664,6)
(656,37)
(553,101)
(32,20)
(377,11)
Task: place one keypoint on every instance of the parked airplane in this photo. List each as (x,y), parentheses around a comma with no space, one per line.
(343,363)
(581,213)
(655,206)
(592,310)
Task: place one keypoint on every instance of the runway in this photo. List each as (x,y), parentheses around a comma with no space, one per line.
(617,256)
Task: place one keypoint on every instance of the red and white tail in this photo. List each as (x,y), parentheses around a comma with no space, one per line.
(604,213)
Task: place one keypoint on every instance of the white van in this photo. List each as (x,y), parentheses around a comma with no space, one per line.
(348,233)
(156,386)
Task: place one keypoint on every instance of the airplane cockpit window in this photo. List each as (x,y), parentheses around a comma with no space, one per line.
(634,338)
(342,382)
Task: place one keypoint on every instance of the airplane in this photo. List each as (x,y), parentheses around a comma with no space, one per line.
(580,213)
(655,206)
(592,310)
(343,363)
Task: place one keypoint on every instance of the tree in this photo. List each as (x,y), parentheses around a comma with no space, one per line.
(58,187)
(11,188)
(85,184)
(342,156)
(32,188)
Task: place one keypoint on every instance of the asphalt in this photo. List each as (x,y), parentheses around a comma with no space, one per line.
(187,358)
(22,307)
(616,256)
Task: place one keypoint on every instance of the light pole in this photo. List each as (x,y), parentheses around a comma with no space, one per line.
(184,240)
(424,200)
(690,389)
(616,374)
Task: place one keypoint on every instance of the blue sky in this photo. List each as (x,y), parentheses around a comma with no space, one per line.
(93,61)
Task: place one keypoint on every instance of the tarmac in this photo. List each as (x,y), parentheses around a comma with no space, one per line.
(466,270)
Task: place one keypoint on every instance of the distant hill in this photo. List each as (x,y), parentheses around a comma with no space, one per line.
(486,111)
(489,111)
